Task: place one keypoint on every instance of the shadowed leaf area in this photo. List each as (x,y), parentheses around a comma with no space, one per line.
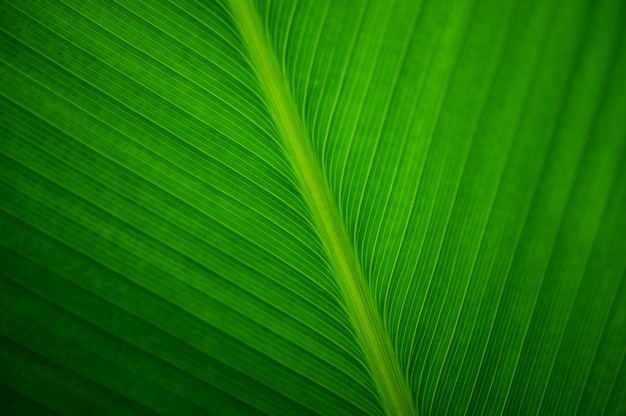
(314,207)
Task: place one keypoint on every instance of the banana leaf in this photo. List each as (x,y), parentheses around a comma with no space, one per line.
(314,207)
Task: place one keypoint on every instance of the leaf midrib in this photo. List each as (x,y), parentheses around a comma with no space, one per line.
(394,393)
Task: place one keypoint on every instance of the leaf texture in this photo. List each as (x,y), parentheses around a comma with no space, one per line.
(313,207)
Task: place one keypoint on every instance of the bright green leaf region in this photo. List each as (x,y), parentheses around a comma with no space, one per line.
(314,207)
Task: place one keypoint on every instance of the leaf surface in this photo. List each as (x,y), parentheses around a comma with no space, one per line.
(313,207)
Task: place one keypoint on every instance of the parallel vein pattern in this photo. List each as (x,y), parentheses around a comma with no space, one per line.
(312,207)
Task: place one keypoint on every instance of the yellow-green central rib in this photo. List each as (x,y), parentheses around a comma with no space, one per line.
(392,387)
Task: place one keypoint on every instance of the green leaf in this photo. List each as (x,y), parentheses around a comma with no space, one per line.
(316,207)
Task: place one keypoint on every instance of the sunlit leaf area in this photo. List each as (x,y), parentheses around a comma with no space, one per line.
(313,207)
